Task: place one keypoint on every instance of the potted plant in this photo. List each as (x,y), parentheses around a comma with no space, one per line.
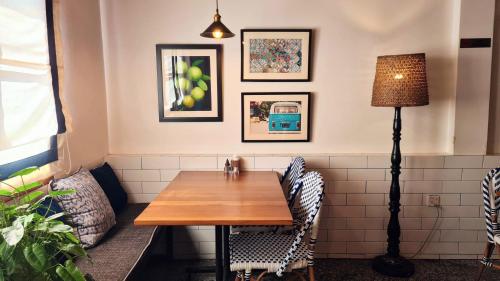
(35,244)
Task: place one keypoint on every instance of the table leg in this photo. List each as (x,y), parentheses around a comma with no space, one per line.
(227,270)
(219,266)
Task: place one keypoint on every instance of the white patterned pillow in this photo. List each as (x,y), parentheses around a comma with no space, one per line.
(88,209)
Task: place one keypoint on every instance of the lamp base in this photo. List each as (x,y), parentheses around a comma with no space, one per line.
(393,266)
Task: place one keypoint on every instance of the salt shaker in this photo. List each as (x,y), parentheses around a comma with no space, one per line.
(235,163)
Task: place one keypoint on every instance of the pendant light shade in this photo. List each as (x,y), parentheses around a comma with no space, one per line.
(217,29)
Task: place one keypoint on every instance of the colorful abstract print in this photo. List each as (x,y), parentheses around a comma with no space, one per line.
(275,55)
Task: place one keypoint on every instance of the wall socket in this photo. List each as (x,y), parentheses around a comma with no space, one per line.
(433,200)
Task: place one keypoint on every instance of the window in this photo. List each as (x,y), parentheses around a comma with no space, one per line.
(30,109)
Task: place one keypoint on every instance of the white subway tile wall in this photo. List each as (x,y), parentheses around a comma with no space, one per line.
(355,216)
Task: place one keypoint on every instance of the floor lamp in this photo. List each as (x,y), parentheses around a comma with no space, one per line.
(400,81)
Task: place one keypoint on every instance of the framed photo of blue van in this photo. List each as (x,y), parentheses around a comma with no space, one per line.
(275,117)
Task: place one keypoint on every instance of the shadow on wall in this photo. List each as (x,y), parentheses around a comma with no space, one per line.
(372,16)
(437,72)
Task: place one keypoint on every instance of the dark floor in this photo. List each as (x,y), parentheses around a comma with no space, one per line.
(334,269)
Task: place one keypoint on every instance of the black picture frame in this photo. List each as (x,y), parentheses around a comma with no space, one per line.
(218,80)
(309,54)
(308,133)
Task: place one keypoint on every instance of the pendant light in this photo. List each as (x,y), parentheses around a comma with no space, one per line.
(217,29)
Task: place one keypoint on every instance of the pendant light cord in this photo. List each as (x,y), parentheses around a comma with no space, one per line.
(217,6)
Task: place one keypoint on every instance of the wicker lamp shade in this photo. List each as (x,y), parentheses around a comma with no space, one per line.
(400,80)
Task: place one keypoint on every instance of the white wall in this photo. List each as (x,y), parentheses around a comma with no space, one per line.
(494,124)
(84,92)
(348,36)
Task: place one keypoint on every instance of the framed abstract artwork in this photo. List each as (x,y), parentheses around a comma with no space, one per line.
(189,82)
(275,117)
(282,55)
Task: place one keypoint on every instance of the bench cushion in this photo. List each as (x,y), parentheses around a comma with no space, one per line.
(121,249)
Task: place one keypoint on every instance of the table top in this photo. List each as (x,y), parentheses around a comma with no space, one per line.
(213,198)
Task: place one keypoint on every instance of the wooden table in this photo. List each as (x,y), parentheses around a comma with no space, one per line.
(212,198)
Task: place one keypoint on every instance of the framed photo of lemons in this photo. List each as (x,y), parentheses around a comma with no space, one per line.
(189,82)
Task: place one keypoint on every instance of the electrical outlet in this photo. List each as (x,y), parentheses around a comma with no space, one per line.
(433,200)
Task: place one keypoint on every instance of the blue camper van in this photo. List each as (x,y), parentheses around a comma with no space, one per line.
(284,117)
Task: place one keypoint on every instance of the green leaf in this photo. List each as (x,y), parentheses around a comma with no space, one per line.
(24,172)
(27,187)
(26,220)
(71,237)
(74,271)
(205,77)
(13,234)
(55,216)
(202,85)
(60,228)
(32,196)
(22,207)
(74,249)
(197,62)
(5,193)
(63,273)
(36,256)
(1,276)
(61,192)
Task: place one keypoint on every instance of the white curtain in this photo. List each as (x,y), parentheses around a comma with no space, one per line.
(27,108)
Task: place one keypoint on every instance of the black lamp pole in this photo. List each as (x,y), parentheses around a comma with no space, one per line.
(392,264)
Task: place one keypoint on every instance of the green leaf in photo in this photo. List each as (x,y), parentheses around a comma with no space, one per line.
(24,172)
(205,77)
(197,62)
(202,85)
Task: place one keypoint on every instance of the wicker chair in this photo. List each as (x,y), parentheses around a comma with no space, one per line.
(278,252)
(491,198)
(288,180)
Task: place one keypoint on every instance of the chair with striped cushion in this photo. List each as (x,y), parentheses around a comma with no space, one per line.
(491,199)
(281,253)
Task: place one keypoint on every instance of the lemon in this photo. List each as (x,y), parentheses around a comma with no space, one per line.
(194,73)
(197,93)
(182,67)
(188,101)
(185,84)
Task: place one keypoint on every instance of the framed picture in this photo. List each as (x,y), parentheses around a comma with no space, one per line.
(275,117)
(282,55)
(189,82)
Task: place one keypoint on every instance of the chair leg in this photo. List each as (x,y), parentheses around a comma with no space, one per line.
(239,276)
(248,275)
(487,254)
(259,278)
(310,270)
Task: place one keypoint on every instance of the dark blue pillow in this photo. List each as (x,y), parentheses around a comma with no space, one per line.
(49,207)
(111,186)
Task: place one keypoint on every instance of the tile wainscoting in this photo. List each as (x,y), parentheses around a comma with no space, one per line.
(355,215)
